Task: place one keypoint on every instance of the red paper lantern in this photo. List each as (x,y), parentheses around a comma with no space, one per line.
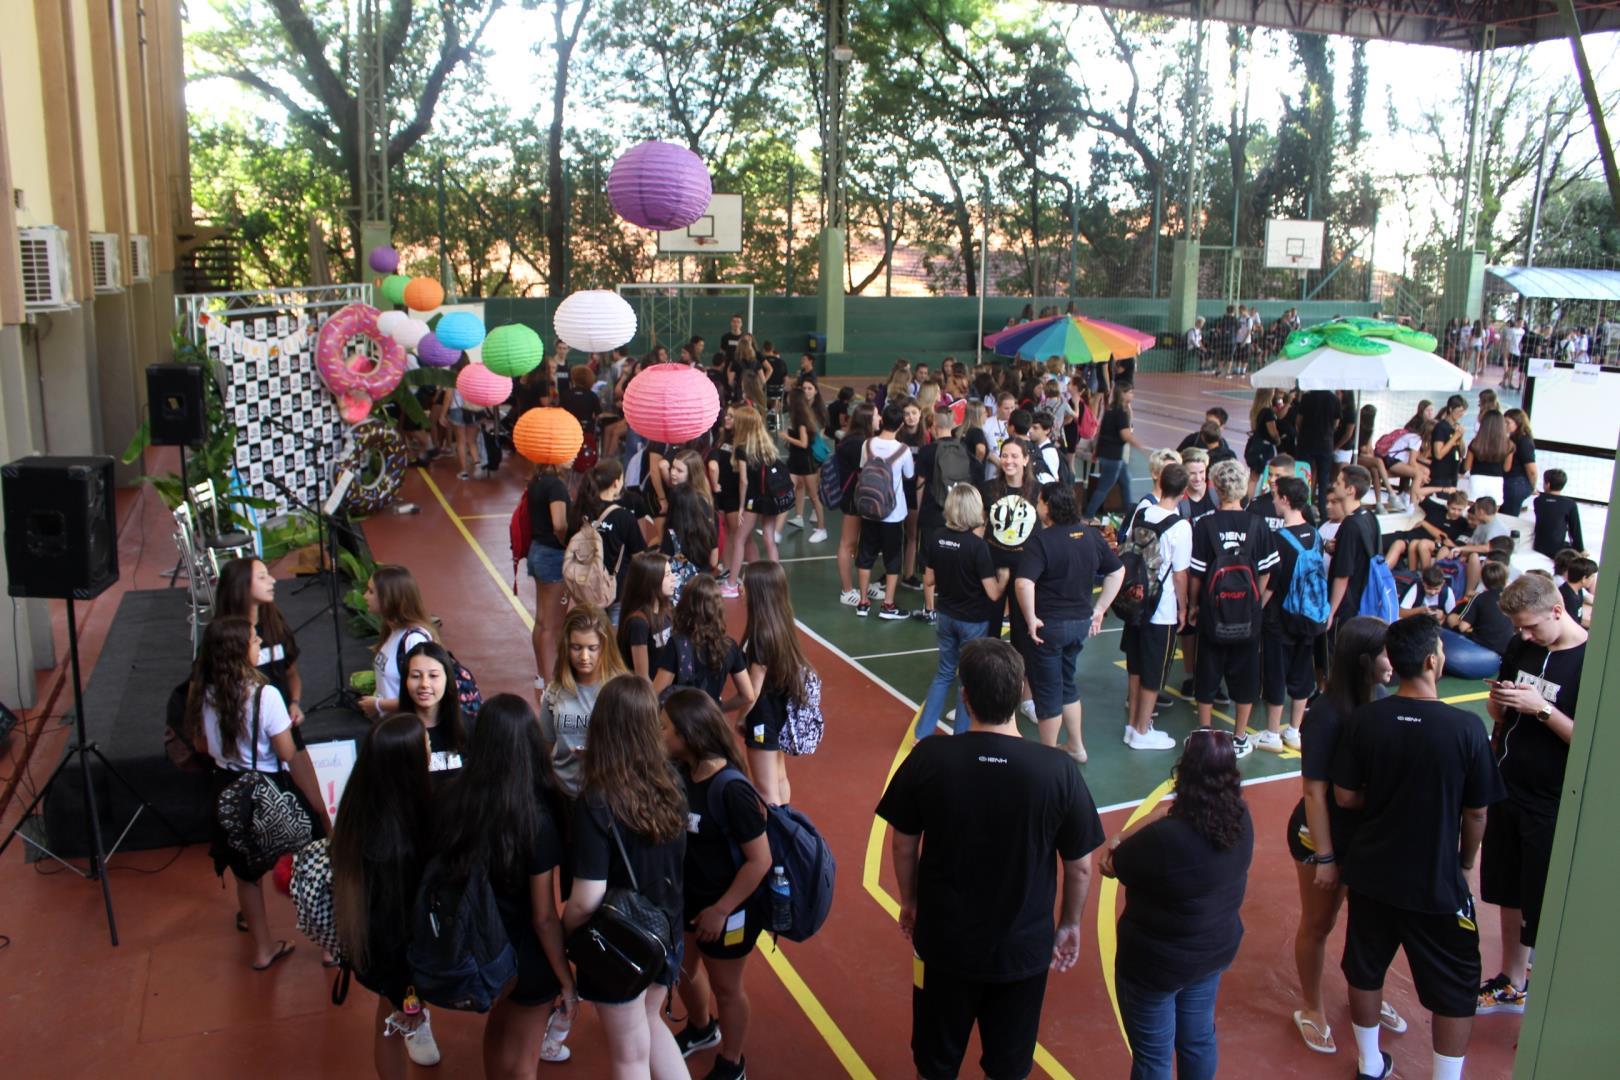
(671,403)
(548,436)
(482,387)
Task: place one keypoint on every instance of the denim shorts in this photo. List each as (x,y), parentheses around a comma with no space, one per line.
(1050,665)
(545,563)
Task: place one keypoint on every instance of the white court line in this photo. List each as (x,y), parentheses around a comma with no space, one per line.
(906,652)
(808,558)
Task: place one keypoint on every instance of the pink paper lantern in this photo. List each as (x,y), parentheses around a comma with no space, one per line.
(671,403)
(482,387)
(431,352)
(659,185)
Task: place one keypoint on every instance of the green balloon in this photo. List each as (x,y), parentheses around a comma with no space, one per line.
(1348,341)
(513,350)
(393,288)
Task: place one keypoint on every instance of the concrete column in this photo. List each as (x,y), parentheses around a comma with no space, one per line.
(19,436)
(65,341)
(1183,305)
(1464,295)
(830,290)
(117,359)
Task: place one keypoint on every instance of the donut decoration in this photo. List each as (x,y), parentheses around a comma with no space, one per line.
(374,451)
(361,379)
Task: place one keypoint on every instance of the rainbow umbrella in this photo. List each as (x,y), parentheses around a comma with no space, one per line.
(1076,338)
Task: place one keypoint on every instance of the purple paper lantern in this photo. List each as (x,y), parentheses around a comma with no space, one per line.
(659,185)
(383,259)
(431,352)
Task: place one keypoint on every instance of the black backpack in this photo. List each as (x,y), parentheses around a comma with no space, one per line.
(1231,598)
(1145,574)
(952,466)
(1064,475)
(460,955)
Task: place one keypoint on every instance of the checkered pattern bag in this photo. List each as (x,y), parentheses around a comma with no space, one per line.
(311,890)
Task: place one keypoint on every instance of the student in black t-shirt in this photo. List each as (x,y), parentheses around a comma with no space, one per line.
(548,538)
(1115,431)
(1316,419)
(618,525)
(728,340)
(633,796)
(1059,565)
(778,674)
(1558,519)
(964,583)
(645,619)
(1420,773)
(724,814)
(1287,655)
(701,653)
(1232,559)
(932,491)
(1185,868)
(976,898)
(1319,830)
(497,816)
(427,687)
(1436,536)
(1446,443)
(1533,703)
(1354,545)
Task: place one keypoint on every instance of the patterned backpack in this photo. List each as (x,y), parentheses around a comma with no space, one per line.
(311,890)
(801,735)
(260,821)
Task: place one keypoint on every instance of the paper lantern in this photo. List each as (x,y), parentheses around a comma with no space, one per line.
(383,259)
(460,330)
(393,288)
(434,353)
(548,436)
(671,403)
(595,320)
(390,322)
(423,294)
(410,333)
(482,387)
(659,185)
(513,350)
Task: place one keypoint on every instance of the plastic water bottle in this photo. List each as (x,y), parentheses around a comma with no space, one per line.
(781,901)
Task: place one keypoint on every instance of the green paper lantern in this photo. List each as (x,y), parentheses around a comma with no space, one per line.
(512,350)
(393,288)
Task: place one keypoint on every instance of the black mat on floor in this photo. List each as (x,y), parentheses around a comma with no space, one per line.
(146,654)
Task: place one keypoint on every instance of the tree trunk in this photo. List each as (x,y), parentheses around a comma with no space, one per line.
(556,195)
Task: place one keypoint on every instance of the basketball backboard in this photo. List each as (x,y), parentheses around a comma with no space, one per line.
(717,232)
(1294,245)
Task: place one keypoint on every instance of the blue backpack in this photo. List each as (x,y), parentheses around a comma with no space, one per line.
(460,955)
(1305,605)
(799,850)
(1379,599)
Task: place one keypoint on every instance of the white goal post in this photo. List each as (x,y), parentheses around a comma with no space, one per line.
(664,308)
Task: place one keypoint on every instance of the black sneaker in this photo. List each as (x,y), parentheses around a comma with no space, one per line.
(691,1039)
(1186,688)
(1164,701)
(1222,698)
(889,611)
(727,1070)
(1241,746)
(864,608)
(1387,1070)
(925,615)
(912,582)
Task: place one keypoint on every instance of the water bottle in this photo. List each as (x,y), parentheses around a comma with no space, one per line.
(781,901)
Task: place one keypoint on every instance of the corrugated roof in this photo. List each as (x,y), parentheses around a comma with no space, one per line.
(1554,283)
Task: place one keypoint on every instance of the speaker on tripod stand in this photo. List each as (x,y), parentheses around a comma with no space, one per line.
(61,543)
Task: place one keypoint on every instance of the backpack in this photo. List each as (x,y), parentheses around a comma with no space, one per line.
(1145,572)
(682,567)
(466,686)
(776,484)
(801,734)
(802,854)
(259,820)
(520,534)
(1379,598)
(874,485)
(952,466)
(1305,605)
(311,891)
(585,574)
(489,447)
(1231,600)
(834,484)
(460,955)
(1386,442)
(1064,474)
(586,459)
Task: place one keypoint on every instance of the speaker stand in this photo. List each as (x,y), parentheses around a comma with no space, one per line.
(81,751)
(179,570)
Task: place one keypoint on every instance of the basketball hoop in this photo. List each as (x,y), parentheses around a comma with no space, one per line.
(704,241)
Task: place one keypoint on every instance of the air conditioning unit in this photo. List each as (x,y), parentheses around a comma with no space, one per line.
(105,263)
(140,259)
(47,273)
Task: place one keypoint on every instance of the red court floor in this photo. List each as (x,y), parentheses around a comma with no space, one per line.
(177,998)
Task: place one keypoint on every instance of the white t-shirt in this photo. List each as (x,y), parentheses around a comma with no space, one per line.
(901,469)
(1175,548)
(1195,338)
(273,720)
(385,664)
(995,433)
(1404,447)
(1514,336)
(1416,597)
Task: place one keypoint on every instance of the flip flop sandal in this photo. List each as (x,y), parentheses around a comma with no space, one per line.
(1318,1037)
(1391,1020)
(283,949)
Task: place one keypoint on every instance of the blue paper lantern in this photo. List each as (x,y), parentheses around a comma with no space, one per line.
(460,330)
(659,185)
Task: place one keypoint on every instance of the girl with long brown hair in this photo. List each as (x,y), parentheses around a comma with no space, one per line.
(1489,457)
(701,653)
(392,595)
(587,659)
(778,672)
(1519,480)
(807,419)
(634,796)
(644,622)
(228,701)
(754,452)
(247,588)
(429,692)
(601,505)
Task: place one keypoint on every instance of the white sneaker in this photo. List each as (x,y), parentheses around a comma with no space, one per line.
(849,597)
(1128,734)
(420,1045)
(796,522)
(1268,740)
(554,1052)
(875,592)
(818,536)
(1290,737)
(778,536)
(1027,706)
(1149,740)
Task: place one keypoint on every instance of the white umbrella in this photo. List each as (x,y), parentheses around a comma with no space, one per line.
(1327,368)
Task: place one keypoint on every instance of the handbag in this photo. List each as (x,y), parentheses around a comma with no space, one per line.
(261,822)
(624,945)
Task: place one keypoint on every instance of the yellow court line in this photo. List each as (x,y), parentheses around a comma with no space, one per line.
(1107,895)
(484,517)
(795,985)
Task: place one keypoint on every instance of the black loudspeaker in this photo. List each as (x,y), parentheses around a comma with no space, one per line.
(61,535)
(177,406)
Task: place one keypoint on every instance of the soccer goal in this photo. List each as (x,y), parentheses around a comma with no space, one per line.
(665,309)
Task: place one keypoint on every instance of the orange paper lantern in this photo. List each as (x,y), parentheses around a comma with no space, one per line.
(548,436)
(423,294)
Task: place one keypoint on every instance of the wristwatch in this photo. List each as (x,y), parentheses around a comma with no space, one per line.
(1544,714)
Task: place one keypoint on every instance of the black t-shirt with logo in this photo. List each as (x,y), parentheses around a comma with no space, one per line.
(1064,562)
(1010,521)
(1531,757)
(987,881)
(1282,574)
(961,561)
(728,344)
(709,866)
(1196,510)
(1354,546)
(1265,507)
(1238,532)
(1419,762)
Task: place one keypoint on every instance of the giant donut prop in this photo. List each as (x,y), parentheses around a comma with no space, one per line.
(374,451)
(358,380)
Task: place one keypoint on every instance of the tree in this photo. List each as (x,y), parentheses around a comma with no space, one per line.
(563,42)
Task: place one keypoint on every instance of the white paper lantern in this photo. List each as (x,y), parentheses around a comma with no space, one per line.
(595,320)
(409,333)
(389,322)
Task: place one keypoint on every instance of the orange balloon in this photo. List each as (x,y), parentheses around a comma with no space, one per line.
(548,436)
(423,294)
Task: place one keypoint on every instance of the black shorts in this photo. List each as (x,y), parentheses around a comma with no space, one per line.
(929,526)
(536,983)
(736,943)
(887,538)
(1514,860)
(1441,949)
(1237,661)
(1287,667)
(944,1009)
(1147,653)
